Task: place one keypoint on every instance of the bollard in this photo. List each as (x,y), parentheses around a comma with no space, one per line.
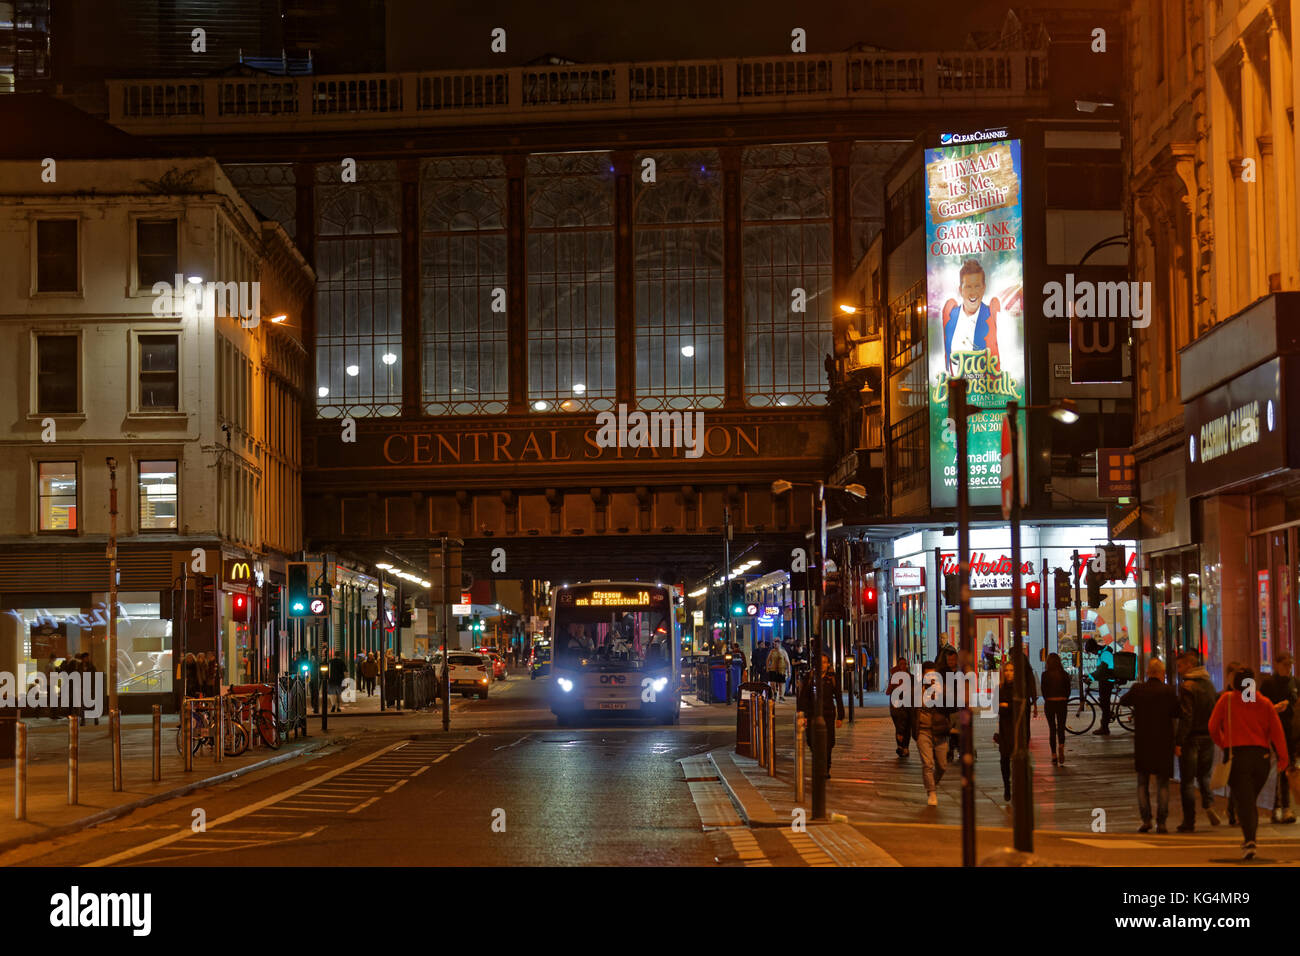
(157,743)
(73,748)
(187,733)
(771,737)
(799,723)
(219,722)
(20,771)
(115,730)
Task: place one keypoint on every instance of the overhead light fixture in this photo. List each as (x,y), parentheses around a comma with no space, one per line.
(857,491)
(322,391)
(688,350)
(541,406)
(425,584)
(579,389)
(1091,106)
(388,358)
(354,370)
(848,309)
(277,319)
(194,280)
(384,566)
(781,486)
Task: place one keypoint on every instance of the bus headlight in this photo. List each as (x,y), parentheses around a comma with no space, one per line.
(566,685)
(660,684)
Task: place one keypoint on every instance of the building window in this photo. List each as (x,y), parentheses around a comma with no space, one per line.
(570,282)
(158,496)
(159,372)
(678,255)
(909,443)
(359,292)
(904,211)
(57,490)
(869,164)
(56,373)
(269,188)
(56,255)
(787,268)
(155,252)
(463,287)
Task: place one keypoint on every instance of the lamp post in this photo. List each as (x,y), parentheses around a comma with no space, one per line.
(817,723)
(112,584)
(1022,800)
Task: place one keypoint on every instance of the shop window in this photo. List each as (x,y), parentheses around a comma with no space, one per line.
(56,374)
(155,252)
(159,372)
(58,495)
(158,495)
(56,255)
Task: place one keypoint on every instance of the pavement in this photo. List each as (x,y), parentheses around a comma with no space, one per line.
(49,814)
(1084,811)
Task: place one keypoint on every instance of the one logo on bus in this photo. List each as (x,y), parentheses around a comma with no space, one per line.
(613,678)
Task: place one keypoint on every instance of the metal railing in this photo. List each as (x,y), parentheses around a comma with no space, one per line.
(839,81)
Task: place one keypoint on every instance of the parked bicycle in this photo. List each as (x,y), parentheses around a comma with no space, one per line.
(1082,712)
(203,728)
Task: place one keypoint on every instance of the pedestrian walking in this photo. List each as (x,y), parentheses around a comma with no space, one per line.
(832,706)
(1156,710)
(369,671)
(1280,689)
(1056,694)
(1246,725)
(337,671)
(1105,677)
(1193,746)
(931,722)
(1006,735)
(86,666)
(901,704)
(778,668)
(1229,675)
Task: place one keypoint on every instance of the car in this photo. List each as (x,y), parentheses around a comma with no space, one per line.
(468,672)
(540,662)
(498,662)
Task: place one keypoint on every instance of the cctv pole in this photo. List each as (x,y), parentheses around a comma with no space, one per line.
(383,644)
(726,586)
(816,718)
(1022,798)
(957,409)
(1075,572)
(112,585)
(446,623)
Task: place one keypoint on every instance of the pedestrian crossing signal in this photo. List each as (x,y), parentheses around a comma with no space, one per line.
(1033,595)
(1062,584)
(299,581)
(239,607)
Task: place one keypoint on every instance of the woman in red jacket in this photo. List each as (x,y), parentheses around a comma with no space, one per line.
(1245,723)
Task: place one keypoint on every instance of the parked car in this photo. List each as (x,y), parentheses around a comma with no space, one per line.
(468,672)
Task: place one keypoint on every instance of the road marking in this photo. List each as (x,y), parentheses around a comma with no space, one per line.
(421,770)
(362,806)
(184,832)
(807,848)
(400,783)
(1120,844)
(747,849)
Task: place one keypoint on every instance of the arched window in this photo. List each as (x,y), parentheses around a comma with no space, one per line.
(678,250)
(787,263)
(570,281)
(463,286)
(358,292)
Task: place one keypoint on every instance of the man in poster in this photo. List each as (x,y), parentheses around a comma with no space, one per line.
(971,324)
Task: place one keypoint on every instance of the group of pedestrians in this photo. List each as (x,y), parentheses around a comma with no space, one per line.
(1249,721)
(52,667)
(201,674)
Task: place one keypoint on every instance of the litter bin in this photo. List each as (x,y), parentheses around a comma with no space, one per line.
(751,693)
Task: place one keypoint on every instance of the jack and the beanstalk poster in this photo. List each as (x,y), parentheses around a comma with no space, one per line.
(975,315)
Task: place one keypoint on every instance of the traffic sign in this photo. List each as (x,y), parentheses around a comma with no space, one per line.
(318,607)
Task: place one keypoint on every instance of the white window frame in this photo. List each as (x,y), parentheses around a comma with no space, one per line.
(46,216)
(55,457)
(137,458)
(134,290)
(33,397)
(137,411)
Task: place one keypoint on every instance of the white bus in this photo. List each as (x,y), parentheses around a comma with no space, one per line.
(615,649)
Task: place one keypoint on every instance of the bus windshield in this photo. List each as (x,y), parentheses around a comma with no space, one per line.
(612,627)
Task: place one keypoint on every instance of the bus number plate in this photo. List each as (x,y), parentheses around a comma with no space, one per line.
(606,705)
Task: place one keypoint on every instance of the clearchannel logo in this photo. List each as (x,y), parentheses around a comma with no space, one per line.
(952,139)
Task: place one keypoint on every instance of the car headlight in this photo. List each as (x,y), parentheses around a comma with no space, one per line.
(659,684)
(566,685)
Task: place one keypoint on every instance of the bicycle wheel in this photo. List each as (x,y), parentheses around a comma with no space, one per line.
(269,730)
(1122,715)
(238,741)
(1080,715)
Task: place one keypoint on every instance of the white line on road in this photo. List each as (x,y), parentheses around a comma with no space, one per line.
(242,811)
(420,771)
(362,806)
(400,783)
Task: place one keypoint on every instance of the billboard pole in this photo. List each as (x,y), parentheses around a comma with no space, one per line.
(957,409)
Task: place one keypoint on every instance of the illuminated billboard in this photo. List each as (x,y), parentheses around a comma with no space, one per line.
(975,316)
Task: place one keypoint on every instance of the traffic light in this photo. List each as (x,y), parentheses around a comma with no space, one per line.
(870,601)
(207,597)
(273,604)
(239,607)
(1094,588)
(299,588)
(1033,595)
(476,625)
(1061,582)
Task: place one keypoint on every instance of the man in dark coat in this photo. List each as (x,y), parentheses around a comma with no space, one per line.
(1280,688)
(1155,721)
(832,707)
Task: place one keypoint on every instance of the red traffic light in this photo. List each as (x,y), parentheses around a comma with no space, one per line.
(1033,595)
(239,607)
(869,600)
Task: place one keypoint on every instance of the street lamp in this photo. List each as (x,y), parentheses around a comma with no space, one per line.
(817,721)
(1022,798)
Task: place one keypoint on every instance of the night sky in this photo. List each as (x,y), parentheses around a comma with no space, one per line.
(456,33)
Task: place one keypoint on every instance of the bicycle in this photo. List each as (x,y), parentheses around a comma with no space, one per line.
(203,732)
(1082,712)
(261,722)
